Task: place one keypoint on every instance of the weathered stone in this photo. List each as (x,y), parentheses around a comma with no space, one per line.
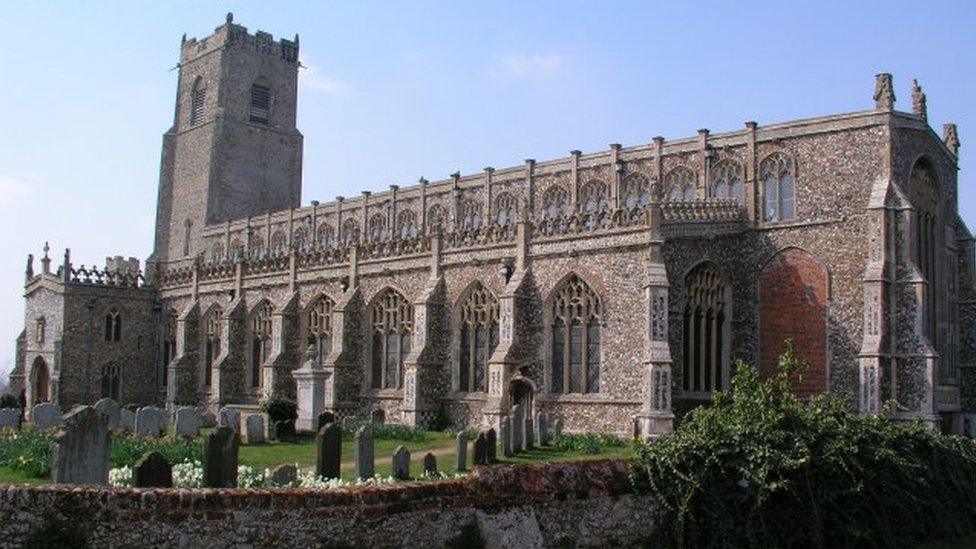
(461,451)
(110,409)
(324,419)
(528,433)
(365,465)
(284,476)
(511,528)
(518,429)
(542,428)
(492,439)
(46,415)
(378,417)
(10,418)
(254,429)
(150,422)
(187,423)
(152,471)
(506,436)
(81,448)
(557,428)
(207,418)
(430,464)
(481,449)
(220,458)
(229,417)
(127,420)
(328,444)
(401,463)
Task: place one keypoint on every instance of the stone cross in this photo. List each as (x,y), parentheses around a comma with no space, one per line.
(110,409)
(46,416)
(328,445)
(542,428)
(187,423)
(365,467)
(150,421)
(81,449)
(229,417)
(284,476)
(430,464)
(127,420)
(401,463)
(220,458)
(518,427)
(152,471)
(461,451)
(10,418)
(491,438)
(528,434)
(481,449)
(254,429)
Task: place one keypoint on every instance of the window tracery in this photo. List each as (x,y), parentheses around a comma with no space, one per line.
(705,316)
(301,240)
(777,171)
(506,209)
(211,344)
(435,217)
(392,324)
(680,184)
(469,215)
(575,338)
(555,203)
(278,244)
(377,228)
(261,326)
(320,327)
(325,236)
(350,232)
(478,315)
(407,225)
(635,191)
(726,181)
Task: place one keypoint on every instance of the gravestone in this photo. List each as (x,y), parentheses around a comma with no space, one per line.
(542,428)
(492,439)
(365,467)
(46,416)
(377,416)
(461,451)
(81,449)
(518,429)
(430,464)
(481,449)
(557,427)
(328,444)
(110,409)
(284,476)
(187,423)
(152,471)
(284,430)
(10,418)
(325,418)
(506,436)
(127,420)
(528,434)
(254,429)
(220,458)
(229,417)
(150,421)
(401,463)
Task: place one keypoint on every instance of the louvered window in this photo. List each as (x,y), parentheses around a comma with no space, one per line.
(197,102)
(260,103)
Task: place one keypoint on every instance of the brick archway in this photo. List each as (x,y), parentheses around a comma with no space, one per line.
(793,298)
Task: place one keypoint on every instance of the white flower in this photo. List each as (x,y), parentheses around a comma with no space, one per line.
(120,477)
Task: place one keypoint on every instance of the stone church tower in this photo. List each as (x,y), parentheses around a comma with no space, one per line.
(233,150)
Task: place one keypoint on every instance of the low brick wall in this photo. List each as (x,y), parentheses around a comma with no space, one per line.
(583,503)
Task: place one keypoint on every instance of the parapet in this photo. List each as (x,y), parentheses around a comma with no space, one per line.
(120,266)
(231,35)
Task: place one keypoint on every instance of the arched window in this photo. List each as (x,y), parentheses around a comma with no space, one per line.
(110,381)
(392,322)
(593,197)
(278,244)
(706,331)
(113,326)
(555,203)
(40,382)
(377,228)
(726,181)
(477,334)
(168,349)
(777,173)
(924,192)
(350,232)
(260,101)
(435,218)
(198,101)
(211,343)
(260,341)
(506,209)
(320,327)
(40,327)
(469,216)
(635,191)
(301,240)
(217,253)
(325,236)
(257,247)
(575,350)
(680,184)
(236,250)
(406,225)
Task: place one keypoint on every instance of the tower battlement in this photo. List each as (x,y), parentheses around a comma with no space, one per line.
(232,35)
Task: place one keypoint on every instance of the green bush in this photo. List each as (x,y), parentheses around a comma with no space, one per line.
(586,443)
(127,449)
(8,400)
(280,409)
(386,431)
(28,451)
(762,468)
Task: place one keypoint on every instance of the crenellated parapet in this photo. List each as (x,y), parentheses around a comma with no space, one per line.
(232,35)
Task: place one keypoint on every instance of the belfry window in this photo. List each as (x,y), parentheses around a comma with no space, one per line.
(320,327)
(705,338)
(198,101)
(477,337)
(575,344)
(110,381)
(260,101)
(392,324)
(260,342)
(777,172)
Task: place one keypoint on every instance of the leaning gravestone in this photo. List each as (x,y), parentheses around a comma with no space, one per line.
(207,418)
(10,418)
(430,464)
(542,428)
(150,422)
(187,423)
(81,449)
(110,409)
(492,438)
(220,458)
(401,463)
(229,417)
(284,476)
(461,451)
(325,418)
(152,471)
(127,420)
(365,467)
(254,429)
(328,444)
(481,449)
(46,416)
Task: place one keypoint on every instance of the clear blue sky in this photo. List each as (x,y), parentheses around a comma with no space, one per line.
(396,90)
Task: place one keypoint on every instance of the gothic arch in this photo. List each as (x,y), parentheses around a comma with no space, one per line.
(198,100)
(350,232)
(260,104)
(407,225)
(279,245)
(555,202)
(40,380)
(506,209)
(594,197)
(925,192)
(259,341)
(680,184)
(726,181)
(435,217)
(469,215)
(706,330)
(475,325)
(635,191)
(300,240)
(777,176)
(212,333)
(574,322)
(389,325)
(377,228)
(317,325)
(325,236)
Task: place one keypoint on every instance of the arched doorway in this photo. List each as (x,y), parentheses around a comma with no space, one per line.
(40,382)
(522,394)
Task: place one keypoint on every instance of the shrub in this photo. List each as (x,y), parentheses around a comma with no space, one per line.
(8,400)
(28,451)
(280,409)
(586,443)
(762,468)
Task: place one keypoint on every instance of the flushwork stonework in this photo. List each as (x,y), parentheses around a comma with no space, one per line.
(608,291)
